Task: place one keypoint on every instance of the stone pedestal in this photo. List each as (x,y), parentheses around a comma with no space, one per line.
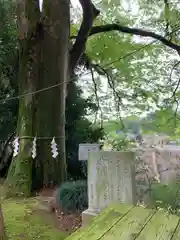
(111,178)
(87,216)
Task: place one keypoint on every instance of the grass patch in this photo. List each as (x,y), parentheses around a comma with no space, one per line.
(22,223)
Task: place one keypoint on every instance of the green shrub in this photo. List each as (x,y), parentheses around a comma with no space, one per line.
(166,197)
(72,196)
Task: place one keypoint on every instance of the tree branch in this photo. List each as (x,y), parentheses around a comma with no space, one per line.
(89,14)
(103,72)
(134,31)
(166,12)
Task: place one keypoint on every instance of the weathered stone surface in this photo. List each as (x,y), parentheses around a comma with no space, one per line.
(111,178)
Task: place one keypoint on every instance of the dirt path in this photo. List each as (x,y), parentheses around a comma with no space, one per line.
(65,223)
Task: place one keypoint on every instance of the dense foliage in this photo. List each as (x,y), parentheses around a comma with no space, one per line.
(166,197)
(72,196)
(79,129)
(142,72)
(8,69)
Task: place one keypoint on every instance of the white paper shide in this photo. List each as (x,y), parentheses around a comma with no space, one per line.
(54,148)
(16,146)
(34,153)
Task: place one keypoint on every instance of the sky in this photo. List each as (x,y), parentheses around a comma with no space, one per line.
(75,3)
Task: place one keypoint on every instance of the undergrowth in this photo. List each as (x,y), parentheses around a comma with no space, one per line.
(21,222)
(72,196)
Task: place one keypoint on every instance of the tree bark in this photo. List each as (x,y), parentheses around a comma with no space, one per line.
(20,172)
(51,103)
(43,62)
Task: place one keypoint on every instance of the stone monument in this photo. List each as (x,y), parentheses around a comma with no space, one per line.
(85,148)
(111,178)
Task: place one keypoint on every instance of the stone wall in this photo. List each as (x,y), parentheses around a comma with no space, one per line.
(156,163)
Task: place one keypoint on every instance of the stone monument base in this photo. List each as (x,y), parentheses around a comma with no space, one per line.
(87,216)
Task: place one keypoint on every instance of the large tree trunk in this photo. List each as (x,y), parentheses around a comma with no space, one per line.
(51,103)
(43,63)
(20,173)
